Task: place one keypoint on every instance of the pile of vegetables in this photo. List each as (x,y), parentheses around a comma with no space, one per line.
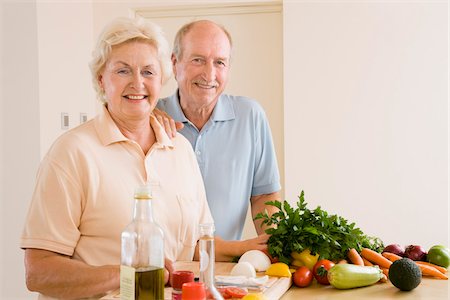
(297,229)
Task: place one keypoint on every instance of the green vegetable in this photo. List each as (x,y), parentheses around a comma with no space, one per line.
(301,228)
(348,276)
(439,255)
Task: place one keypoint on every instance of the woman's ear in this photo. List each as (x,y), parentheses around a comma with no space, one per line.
(100,81)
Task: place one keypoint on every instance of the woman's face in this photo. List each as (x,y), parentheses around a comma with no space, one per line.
(131,80)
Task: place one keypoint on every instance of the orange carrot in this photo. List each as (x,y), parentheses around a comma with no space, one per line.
(391,256)
(383,279)
(354,257)
(367,263)
(342,261)
(385,271)
(376,258)
(439,268)
(431,271)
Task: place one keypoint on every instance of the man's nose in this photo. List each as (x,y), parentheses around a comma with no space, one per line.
(209,71)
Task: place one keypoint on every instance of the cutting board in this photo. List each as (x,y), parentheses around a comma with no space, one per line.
(273,290)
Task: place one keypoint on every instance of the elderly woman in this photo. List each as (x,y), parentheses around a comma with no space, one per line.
(84,192)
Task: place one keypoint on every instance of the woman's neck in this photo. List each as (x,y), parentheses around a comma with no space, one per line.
(139,131)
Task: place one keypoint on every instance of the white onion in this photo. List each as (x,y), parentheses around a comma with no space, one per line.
(258,259)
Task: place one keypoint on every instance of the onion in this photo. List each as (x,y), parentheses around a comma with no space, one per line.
(396,249)
(258,259)
(415,252)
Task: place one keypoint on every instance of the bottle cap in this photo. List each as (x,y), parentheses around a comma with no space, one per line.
(180,277)
(143,192)
(193,291)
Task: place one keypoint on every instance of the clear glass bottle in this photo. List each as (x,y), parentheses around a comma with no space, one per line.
(207,260)
(142,253)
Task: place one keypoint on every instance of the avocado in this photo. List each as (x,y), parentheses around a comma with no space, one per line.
(405,274)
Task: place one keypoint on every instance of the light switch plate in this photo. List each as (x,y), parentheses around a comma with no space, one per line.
(83,117)
(64,121)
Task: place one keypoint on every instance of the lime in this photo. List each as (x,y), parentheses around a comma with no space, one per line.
(439,255)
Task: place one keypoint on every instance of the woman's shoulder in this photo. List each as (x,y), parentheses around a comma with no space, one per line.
(73,140)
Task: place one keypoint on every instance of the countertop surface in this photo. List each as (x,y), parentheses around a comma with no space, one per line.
(429,288)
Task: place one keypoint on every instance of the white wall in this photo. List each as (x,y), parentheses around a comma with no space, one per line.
(20,137)
(366,114)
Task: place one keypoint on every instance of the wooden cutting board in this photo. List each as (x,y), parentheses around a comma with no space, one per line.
(274,288)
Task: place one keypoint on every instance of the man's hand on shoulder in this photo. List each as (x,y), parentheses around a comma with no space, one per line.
(170,126)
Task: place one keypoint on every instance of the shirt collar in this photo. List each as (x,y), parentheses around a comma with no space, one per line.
(223,111)
(109,133)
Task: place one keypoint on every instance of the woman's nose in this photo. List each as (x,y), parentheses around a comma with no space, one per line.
(137,81)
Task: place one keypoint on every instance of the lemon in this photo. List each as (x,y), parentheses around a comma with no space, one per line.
(253,296)
(278,269)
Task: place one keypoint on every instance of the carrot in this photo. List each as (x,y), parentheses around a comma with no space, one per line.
(342,261)
(385,271)
(383,279)
(431,271)
(391,256)
(440,269)
(375,258)
(367,263)
(354,257)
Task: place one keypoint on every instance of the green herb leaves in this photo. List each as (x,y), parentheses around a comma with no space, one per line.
(301,228)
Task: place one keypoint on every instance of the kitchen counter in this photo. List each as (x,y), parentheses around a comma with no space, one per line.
(429,289)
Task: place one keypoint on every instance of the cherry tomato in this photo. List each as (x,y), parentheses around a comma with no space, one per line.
(302,277)
(235,292)
(320,271)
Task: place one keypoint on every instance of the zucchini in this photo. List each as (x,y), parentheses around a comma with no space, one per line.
(348,276)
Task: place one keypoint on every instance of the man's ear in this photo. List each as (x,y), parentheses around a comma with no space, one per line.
(174,63)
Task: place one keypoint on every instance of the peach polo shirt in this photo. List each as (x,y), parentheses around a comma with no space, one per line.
(83,197)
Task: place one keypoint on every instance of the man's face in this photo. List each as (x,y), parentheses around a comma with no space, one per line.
(202,70)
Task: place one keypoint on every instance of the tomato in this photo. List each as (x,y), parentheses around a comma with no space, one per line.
(320,271)
(302,277)
(439,255)
(224,293)
(235,292)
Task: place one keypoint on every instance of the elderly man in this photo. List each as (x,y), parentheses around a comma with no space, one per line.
(230,134)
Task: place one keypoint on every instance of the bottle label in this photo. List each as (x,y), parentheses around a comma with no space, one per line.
(127,281)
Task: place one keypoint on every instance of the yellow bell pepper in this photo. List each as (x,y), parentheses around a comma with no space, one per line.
(305,258)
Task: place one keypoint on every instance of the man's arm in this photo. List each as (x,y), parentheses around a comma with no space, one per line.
(59,276)
(227,250)
(258,205)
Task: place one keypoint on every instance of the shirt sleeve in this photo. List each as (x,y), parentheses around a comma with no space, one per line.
(55,210)
(266,174)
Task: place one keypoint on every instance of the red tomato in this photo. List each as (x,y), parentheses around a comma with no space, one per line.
(302,277)
(235,292)
(224,293)
(320,271)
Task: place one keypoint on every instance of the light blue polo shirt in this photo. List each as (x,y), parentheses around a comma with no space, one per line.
(236,156)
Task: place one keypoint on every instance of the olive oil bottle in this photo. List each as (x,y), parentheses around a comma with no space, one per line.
(142,253)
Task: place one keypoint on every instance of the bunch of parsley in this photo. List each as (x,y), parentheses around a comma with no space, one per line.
(301,228)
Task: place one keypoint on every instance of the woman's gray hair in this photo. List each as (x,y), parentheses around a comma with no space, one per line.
(122,30)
